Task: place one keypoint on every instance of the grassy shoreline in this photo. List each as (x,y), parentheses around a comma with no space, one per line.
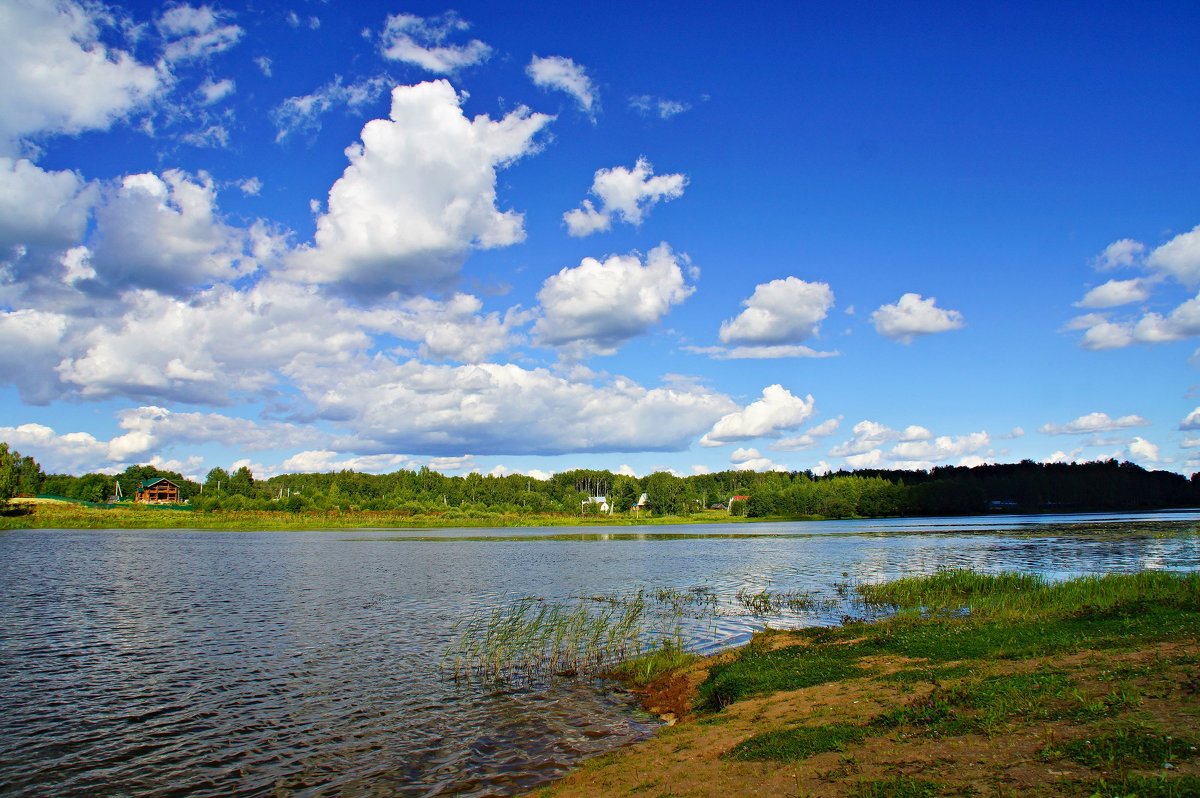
(49,514)
(978,686)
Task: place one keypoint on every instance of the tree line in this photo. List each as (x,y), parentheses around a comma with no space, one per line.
(1020,487)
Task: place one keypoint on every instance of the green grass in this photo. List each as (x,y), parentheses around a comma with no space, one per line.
(64,515)
(1130,747)
(1147,787)
(1111,612)
(756,672)
(665,658)
(1013,596)
(898,787)
(791,745)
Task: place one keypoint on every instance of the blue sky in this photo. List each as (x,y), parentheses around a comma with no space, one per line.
(637,237)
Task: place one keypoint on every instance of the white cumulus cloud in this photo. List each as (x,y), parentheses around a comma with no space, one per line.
(780,312)
(626,194)
(1115,293)
(419,193)
(1143,450)
(503,409)
(59,76)
(1093,423)
(1179,257)
(166,233)
(913,316)
(40,208)
(778,410)
(596,306)
(1121,254)
(808,439)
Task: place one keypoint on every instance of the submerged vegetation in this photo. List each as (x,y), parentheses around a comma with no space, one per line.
(972,684)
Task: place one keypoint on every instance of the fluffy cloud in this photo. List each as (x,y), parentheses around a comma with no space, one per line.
(624,193)
(1182,322)
(421,41)
(419,193)
(776,411)
(809,439)
(165,233)
(196,33)
(1191,420)
(219,344)
(596,306)
(1115,293)
(780,312)
(646,105)
(741,455)
(1093,423)
(914,448)
(558,72)
(1152,328)
(302,114)
(1118,254)
(1100,333)
(502,409)
(1143,450)
(69,452)
(450,330)
(941,449)
(323,461)
(149,428)
(59,77)
(1179,257)
(213,91)
(913,316)
(868,435)
(29,351)
(40,208)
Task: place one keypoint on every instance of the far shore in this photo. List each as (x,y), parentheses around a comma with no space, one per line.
(30,513)
(42,513)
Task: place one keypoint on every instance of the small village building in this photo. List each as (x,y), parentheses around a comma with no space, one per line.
(157,491)
(600,501)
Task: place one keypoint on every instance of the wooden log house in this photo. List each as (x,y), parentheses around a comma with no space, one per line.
(157,491)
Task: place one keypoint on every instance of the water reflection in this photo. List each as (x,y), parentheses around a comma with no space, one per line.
(266,663)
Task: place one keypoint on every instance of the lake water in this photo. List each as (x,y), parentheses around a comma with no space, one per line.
(307,663)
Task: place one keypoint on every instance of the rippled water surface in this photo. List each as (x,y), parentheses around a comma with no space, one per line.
(307,663)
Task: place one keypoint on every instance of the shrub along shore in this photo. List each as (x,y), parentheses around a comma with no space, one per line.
(976,686)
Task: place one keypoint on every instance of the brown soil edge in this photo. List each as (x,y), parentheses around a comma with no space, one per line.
(685,758)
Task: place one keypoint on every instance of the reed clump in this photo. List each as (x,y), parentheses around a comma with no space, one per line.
(535,638)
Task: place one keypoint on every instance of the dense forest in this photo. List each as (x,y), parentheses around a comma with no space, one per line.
(1025,487)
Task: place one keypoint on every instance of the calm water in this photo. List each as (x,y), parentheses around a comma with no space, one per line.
(306,663)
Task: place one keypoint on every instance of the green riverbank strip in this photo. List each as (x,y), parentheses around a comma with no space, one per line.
(979,685)
(34,514)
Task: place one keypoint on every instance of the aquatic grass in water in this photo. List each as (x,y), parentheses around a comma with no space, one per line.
(1014,596)
(534,638)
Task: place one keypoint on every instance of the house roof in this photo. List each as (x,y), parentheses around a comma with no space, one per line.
(149,483)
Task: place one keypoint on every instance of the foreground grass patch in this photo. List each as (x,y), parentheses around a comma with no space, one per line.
(1135,747)
(791,745)
(1080,689)
(899,787)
